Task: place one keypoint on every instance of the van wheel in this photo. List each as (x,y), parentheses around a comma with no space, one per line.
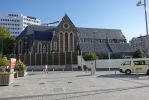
(128,72)
(147,72)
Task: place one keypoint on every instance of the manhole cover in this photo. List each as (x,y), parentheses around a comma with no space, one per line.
(16,85)
(69,82)
(41,83)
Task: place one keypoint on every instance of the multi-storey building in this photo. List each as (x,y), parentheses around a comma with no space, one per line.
(140,43)
(16,23)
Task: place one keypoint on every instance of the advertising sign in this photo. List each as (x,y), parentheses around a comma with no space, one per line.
(13,62)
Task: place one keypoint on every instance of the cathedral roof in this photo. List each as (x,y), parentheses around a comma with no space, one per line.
(106,47)
(97,33)
(31,29)
(82,32)
(39,32)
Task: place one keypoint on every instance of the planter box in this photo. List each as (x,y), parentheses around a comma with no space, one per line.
(6,79)
(21,73)
(15,74)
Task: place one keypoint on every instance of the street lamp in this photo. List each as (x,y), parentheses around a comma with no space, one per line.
(145,11)
(94,46)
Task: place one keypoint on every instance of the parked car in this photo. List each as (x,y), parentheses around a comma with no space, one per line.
(135,66)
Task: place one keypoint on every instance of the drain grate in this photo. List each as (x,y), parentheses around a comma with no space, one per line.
(16,85)
(69,82)
(41,83)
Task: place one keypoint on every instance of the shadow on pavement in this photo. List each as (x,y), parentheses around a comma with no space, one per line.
(133,76)
(83,75)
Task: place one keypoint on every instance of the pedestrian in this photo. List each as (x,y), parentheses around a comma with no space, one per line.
(46,69)
(7,69)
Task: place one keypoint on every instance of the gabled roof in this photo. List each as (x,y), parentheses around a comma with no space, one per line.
(121,47)
(106,47)
(93,47)
(40,35)
(100,33)
(31,29)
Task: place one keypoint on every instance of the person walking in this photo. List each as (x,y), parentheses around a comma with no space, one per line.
(46,69)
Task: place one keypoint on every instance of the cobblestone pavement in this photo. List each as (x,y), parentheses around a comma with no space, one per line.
(105,85)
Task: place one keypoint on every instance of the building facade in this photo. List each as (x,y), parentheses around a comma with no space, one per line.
(16,23)
(66,37)
(140,43)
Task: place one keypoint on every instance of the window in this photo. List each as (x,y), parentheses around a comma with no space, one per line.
(66,41)
(39,47)
(127,63)
(139,62)
(65,25)
(44,49)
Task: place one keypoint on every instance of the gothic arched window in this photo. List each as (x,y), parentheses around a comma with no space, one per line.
(61,42)
(71,42)
(20,44)
(44,49)
(66,42)
(39,47)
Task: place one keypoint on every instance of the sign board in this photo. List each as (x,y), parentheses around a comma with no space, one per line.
(12,63)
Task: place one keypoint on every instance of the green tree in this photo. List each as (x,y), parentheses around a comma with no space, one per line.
(3,62)
(9,45)
(138,54)
(6,41)
(4,33)
(90,56)
(116,56)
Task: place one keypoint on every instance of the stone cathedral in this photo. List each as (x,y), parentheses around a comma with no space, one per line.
(66,37)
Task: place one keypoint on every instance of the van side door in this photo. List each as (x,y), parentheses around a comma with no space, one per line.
(139,66)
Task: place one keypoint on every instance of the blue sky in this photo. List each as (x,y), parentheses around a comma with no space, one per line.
(110,14)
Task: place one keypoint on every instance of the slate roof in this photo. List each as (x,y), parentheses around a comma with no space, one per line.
(100,33)
(40,35)
(106,47)
(90,47)
(121,47)
(82,32)
(31,29)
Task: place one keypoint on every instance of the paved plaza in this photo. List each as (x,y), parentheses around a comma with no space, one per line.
(105,85)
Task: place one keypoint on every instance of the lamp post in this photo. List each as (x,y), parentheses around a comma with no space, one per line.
(145,11)
(94,47)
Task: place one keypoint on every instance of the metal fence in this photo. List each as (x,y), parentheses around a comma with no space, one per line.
(52,58)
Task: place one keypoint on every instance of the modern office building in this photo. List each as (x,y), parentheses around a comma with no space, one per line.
(16,23)
(140,43)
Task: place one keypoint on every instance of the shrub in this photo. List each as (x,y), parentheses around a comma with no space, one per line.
(20,66)
(90,56)
(5,73)
(3,63)
(138,54)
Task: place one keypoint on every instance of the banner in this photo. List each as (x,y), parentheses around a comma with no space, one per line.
(13,62)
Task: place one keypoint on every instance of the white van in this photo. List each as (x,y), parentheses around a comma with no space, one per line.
(135,66)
